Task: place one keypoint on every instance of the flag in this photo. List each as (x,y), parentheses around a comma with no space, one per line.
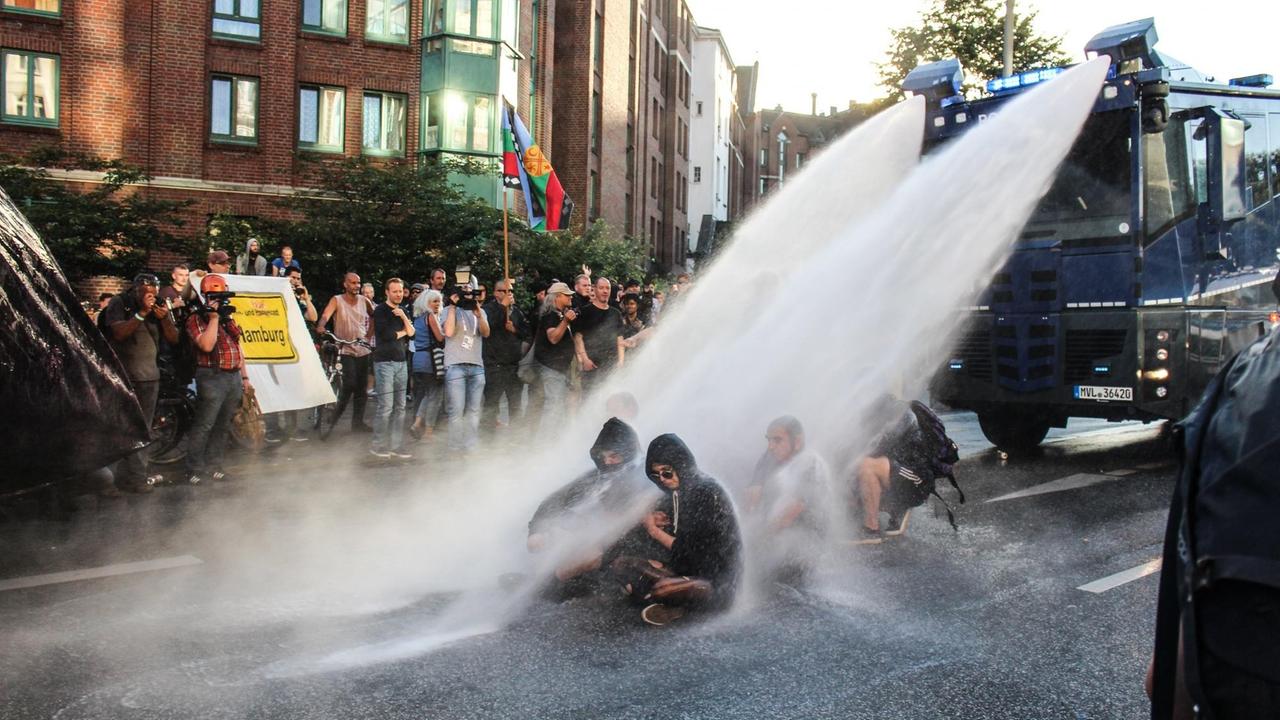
(525,167)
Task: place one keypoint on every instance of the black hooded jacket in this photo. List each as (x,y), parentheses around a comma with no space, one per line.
(708,543)
(614,487)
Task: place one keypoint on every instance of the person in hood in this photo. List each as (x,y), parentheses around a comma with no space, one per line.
(598,501)
(252,262)
(696,527)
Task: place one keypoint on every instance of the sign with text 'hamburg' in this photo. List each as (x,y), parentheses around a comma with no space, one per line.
(279,354)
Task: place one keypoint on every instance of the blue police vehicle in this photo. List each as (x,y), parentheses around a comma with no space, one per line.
(1151,260)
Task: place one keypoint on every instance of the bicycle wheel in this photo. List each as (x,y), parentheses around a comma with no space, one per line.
(327,415)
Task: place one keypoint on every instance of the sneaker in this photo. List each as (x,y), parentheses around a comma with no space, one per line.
(220,476)
(380,454)
(156,479)
(659,614)
(867,536)
(299,436)
(400,454)
(272,439)
(898,523)
(195,480)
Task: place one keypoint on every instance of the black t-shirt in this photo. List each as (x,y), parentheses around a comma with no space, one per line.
(138,351)
(599,330)
(385,326)
(556,356)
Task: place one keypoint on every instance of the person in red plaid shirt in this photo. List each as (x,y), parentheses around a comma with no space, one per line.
(221,381)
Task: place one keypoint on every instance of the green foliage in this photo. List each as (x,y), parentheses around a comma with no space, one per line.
(110,229)
(973,32)
(540,257)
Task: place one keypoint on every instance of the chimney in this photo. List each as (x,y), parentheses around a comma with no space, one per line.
(833,111)
(814,110)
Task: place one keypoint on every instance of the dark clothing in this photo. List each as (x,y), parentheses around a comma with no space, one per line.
(630,330)
(613,487)
(580,301)
(389,348)
(502,347)
(138,351)
(500,381)
(170,293)
(132,470)
(556,356)
(599,329)
(708,542)
(355,377)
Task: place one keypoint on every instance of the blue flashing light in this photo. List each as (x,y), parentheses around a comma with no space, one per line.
(1258,81)
(1021,80)
(1101,369)
(956,365)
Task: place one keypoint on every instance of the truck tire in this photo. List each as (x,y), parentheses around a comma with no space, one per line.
(1013,432)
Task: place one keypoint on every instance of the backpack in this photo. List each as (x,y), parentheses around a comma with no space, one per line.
(1222,525)
(938,454)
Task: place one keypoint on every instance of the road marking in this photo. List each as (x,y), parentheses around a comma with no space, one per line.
(1155,465)
(99,572)
(1122,577)
(1125,472)
(1070,482)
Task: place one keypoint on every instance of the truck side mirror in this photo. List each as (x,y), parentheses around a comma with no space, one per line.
(1225,175)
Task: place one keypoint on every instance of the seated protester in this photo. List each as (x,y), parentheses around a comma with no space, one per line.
(786,501)
(892,475)
(601,503)
(697,529)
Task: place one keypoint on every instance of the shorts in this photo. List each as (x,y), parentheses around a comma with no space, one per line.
(907,488)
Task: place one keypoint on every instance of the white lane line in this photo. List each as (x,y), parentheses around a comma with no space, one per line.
(1124,472)
(1070,482)
(1122,577)
(99,572)
(1155,465)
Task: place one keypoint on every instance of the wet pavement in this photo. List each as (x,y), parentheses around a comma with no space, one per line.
(988,622)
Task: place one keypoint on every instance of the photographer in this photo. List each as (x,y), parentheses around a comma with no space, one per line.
(465,327)
(300,292)
(221,379)
(553,351)
(134,322)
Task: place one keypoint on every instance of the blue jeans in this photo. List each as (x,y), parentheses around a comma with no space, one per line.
(464,392)
(217,400)
(390,382)
(555,389)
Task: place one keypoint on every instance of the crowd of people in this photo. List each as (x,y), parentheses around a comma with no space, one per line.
(438,359)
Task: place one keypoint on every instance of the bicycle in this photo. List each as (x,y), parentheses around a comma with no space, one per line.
(330,348)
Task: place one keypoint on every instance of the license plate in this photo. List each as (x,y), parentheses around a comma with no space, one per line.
(1103,393)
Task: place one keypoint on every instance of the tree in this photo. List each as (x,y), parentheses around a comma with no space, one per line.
(109,229)
(971,31)
(541,256)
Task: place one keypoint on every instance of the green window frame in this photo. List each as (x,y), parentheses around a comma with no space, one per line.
(460,122)
(233,109)
(237,20)
(385,120)
(48,8)
(387,21)
(326,17)
(321,118)
(29,82)
(477,18)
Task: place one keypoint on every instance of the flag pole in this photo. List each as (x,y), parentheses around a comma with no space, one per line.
(506,251)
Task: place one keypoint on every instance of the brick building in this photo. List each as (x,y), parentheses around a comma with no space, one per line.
(216,99)
(779,143)
(621,144)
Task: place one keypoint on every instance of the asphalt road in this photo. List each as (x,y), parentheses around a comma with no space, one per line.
(985,623)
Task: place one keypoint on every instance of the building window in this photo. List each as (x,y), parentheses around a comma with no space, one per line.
(433,16)
(597,49)
(594,201)
(658,60)
(473,17)
(384,123)
(233,103)
(697,174)
(387,21)
(764,157)
(799,160)
(698,108)
(471,47)
(431,126)
(237,19)
(320,118)
(679,184)
(325,16)
(597,109)
(653,177)
(30,82)
(458,121)
(36,7)
(657,118)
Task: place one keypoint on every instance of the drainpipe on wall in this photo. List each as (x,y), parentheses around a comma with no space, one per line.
(533,73)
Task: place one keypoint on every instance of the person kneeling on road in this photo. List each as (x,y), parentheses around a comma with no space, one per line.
(697,528)
(786,502)
(594,510)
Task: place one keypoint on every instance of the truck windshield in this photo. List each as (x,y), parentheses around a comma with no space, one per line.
(1170,192)
(1090,198)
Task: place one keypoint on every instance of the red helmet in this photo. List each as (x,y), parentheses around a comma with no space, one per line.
(213,283)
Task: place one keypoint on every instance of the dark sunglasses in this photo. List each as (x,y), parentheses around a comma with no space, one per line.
(664,474)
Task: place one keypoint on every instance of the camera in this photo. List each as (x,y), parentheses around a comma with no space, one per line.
(466,297)
(224,308)
(299,291)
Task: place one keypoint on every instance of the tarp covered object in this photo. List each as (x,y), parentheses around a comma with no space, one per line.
(282,361)
(65,402)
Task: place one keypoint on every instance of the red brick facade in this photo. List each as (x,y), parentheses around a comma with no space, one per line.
(135,84)
(634,175)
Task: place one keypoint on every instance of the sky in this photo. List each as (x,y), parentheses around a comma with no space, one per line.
(831,48)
